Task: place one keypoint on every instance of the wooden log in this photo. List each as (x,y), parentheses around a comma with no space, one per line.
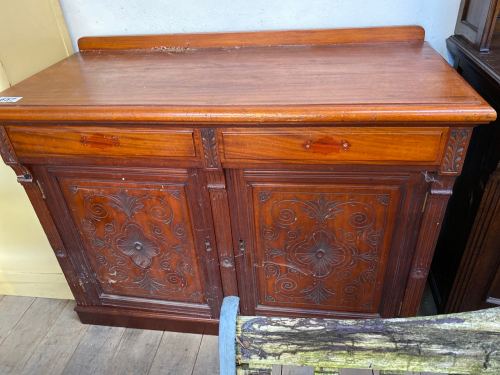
(465,343)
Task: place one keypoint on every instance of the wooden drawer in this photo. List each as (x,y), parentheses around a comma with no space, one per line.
(101,142)
(330,145)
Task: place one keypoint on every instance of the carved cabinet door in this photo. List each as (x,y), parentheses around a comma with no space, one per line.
(319,244)
(142,236)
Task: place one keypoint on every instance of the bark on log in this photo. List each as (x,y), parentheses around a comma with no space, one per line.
(465,343)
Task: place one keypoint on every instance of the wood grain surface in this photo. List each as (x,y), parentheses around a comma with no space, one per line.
(12,308)
(135,353)
(27,335)
(335,144)
(95,351)
(58,346)
(186,344)
(255,39)
(465,343)
(207,361)
(100,141)
(376,82)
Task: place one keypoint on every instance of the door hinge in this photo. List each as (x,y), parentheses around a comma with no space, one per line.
(41,189)
(425,201)
(208,244)
(241,246)
(400,307)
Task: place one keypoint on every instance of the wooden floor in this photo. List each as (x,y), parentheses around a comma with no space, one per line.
(44,336)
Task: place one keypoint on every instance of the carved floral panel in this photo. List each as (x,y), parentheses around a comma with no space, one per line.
(138,239)
(322,247)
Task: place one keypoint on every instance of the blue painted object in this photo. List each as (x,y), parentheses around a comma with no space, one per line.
(227,335)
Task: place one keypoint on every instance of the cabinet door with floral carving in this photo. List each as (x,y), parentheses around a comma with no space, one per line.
(141,237)
(317,245)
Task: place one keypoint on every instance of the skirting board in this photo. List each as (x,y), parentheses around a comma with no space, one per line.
(45,285)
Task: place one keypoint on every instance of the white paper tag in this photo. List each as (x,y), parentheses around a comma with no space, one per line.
(9,99)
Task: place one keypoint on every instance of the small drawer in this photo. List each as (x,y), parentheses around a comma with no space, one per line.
(101,142)
(330,145)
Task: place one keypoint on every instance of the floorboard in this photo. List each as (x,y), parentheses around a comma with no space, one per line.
(44,336)
(276,369)
(12,309)
(20,344)
(136,352)
(57,347)
(207,361)
(96,350)
(176,354)
(296,370)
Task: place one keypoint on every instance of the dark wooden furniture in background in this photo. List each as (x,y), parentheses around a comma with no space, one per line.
(476,22)
(466,267)
(170,171)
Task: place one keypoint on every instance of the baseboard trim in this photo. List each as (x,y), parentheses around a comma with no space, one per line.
(43,285)
(135,319)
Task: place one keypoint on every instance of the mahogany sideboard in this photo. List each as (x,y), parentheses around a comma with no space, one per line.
(305,171)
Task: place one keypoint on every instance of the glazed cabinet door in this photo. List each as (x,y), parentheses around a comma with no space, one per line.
(320,243)
(144,237)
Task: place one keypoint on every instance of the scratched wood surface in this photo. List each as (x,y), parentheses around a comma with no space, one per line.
(375,81)
(273,76)
(44,336)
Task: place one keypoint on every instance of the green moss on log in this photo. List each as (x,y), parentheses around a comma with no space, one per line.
(466,343)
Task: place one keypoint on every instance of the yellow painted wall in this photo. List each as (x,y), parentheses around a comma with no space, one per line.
(33,36)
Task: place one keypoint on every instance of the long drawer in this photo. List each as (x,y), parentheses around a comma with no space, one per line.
(101,142)
(330,145)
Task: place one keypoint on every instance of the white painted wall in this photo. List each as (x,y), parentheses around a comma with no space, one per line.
(33,36)
(128,17)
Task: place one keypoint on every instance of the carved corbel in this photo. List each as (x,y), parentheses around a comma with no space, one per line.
(10,158)
(456,148)
(6,150)
(210,152)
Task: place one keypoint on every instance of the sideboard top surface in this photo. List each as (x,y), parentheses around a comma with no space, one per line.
(349,82)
